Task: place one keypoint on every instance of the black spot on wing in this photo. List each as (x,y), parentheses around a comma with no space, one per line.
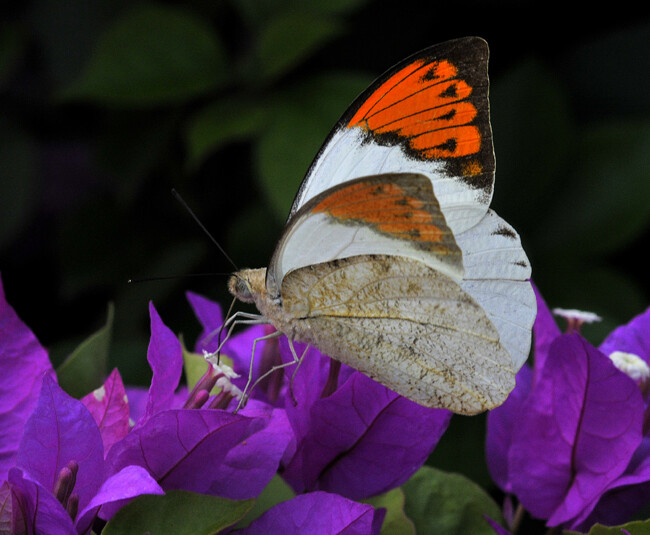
(451,92)
(506,232)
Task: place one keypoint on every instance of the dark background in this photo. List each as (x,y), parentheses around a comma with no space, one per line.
(105,106)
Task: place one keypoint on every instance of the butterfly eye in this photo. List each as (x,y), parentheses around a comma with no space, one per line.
(240,288)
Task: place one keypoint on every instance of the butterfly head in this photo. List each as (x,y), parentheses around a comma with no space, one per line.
(249,286)
(247,283)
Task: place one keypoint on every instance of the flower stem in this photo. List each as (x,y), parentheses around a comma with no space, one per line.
(517,518)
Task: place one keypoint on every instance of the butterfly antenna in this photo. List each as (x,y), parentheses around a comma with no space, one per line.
(198,222)
(170,277)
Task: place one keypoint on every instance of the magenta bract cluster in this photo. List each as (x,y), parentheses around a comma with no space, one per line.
(122,442)
(570,445)
(570,442)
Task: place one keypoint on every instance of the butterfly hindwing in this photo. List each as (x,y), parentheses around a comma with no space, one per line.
(497,274)
(405,325)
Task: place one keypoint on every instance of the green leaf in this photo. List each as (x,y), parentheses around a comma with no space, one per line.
(396,522)
(194,366)
(283,155)
(300,122)
(152,55)
(639,527)
(179,512)
(275,492)
(220,123)
(85,368)
(290,38)
(604,206)
(448,504)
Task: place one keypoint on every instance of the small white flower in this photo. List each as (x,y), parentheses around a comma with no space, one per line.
(631,364)
(220,368)
(576,315)
(228,371)
(212,358)
(226,386)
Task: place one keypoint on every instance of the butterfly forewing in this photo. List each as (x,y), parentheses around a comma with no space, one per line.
(429,115)
(383,214)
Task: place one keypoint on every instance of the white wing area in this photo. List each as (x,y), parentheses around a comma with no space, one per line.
(317,237)
(495,270)
(349,154)
(496,276)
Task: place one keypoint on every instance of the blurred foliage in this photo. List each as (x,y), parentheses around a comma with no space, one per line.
(108,105)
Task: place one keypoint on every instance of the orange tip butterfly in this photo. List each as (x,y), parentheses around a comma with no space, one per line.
(391,260)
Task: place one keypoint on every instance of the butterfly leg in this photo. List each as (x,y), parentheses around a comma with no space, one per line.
(231,323)
(238,318)
(298,362)
(248,388)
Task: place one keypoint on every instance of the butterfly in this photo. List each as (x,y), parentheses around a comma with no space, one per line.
(391,260)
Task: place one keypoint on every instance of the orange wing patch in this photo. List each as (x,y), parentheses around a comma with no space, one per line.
(385,206)
(472,168)
(426,105)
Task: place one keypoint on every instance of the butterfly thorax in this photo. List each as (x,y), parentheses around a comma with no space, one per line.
(249,286)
